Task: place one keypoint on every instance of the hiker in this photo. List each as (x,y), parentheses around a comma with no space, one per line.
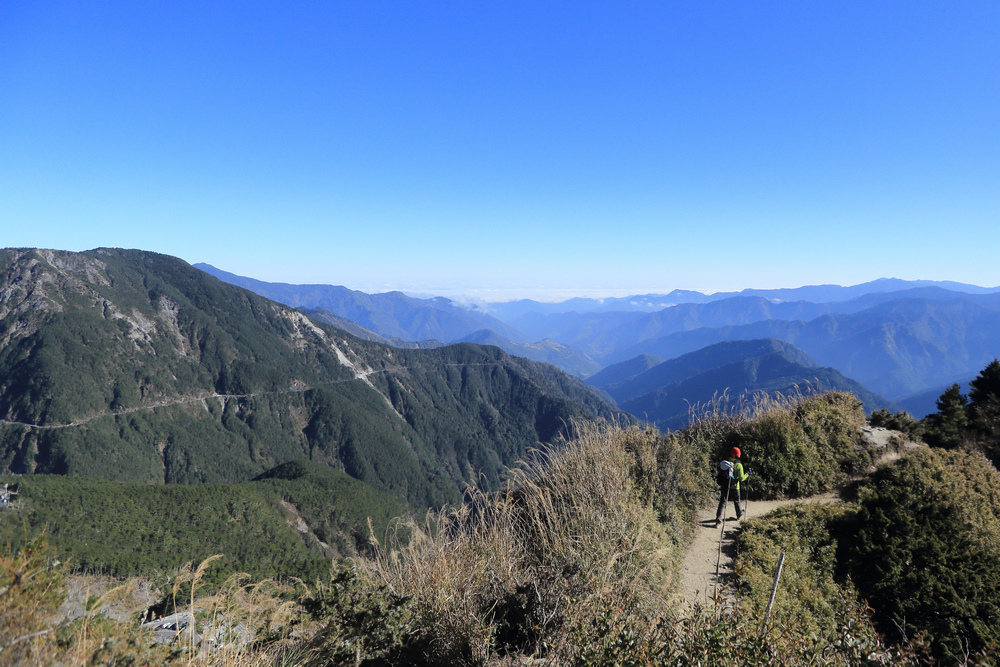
(729,479)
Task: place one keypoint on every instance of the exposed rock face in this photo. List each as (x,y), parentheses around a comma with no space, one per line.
(135,366)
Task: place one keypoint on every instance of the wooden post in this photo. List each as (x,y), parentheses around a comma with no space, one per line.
(774,590)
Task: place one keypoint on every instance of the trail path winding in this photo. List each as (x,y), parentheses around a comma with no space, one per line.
(698,582)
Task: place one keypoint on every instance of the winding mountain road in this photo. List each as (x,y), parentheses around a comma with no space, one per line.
(361,376)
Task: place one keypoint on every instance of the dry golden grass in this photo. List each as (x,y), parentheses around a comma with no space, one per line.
(524,570)
(232,621)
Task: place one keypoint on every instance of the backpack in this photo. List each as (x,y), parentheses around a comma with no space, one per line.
(725,473)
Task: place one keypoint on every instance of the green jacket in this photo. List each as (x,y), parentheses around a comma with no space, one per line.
(738,474)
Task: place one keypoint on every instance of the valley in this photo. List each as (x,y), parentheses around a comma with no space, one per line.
(543,485)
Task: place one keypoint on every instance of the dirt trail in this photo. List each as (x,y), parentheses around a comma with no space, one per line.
(698,581)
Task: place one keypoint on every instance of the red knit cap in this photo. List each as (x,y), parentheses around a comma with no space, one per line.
(736,452)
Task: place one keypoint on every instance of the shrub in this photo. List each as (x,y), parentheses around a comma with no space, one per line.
(901,421)
(359,619)
(795,447)
(810,599)
(732,638)
(925,550)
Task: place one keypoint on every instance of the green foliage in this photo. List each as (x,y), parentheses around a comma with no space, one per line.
(811,599)
(984,408)
(901,421)
(985,386)
(363,623)
(339,510)
(949,426)
(972,422)
(88,521)
(794,449)
(924,549)
(732,638)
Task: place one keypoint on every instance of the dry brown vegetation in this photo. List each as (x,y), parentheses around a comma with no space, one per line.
(573,562)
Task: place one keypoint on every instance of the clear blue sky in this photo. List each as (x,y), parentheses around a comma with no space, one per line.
(515,148)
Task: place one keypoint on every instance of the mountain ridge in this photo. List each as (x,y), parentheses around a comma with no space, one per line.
(650,302)
(389,314)
(896,348)
(734,372)
(130,365)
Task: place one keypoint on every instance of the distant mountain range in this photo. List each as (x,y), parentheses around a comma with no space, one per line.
(896,348)
(899,338)
(391,314)
(668,392)
(645,303)
(404,321)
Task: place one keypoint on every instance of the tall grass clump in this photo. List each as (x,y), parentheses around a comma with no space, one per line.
(31,589)
(576,535)
(796,446)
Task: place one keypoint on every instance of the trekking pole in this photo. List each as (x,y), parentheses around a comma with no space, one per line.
(718,559)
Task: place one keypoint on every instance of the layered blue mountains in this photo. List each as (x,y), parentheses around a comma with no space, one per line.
(896,343)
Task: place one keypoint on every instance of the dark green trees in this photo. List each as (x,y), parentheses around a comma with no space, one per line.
(972,420)
(984,408)
(949,426)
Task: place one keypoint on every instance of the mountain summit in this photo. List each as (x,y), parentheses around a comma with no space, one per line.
(134,366)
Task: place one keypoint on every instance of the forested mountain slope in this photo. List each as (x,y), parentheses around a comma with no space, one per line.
(134,366)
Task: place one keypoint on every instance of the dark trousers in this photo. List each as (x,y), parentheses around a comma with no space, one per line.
(734,495)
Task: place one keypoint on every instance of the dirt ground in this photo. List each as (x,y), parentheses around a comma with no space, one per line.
(713,547)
